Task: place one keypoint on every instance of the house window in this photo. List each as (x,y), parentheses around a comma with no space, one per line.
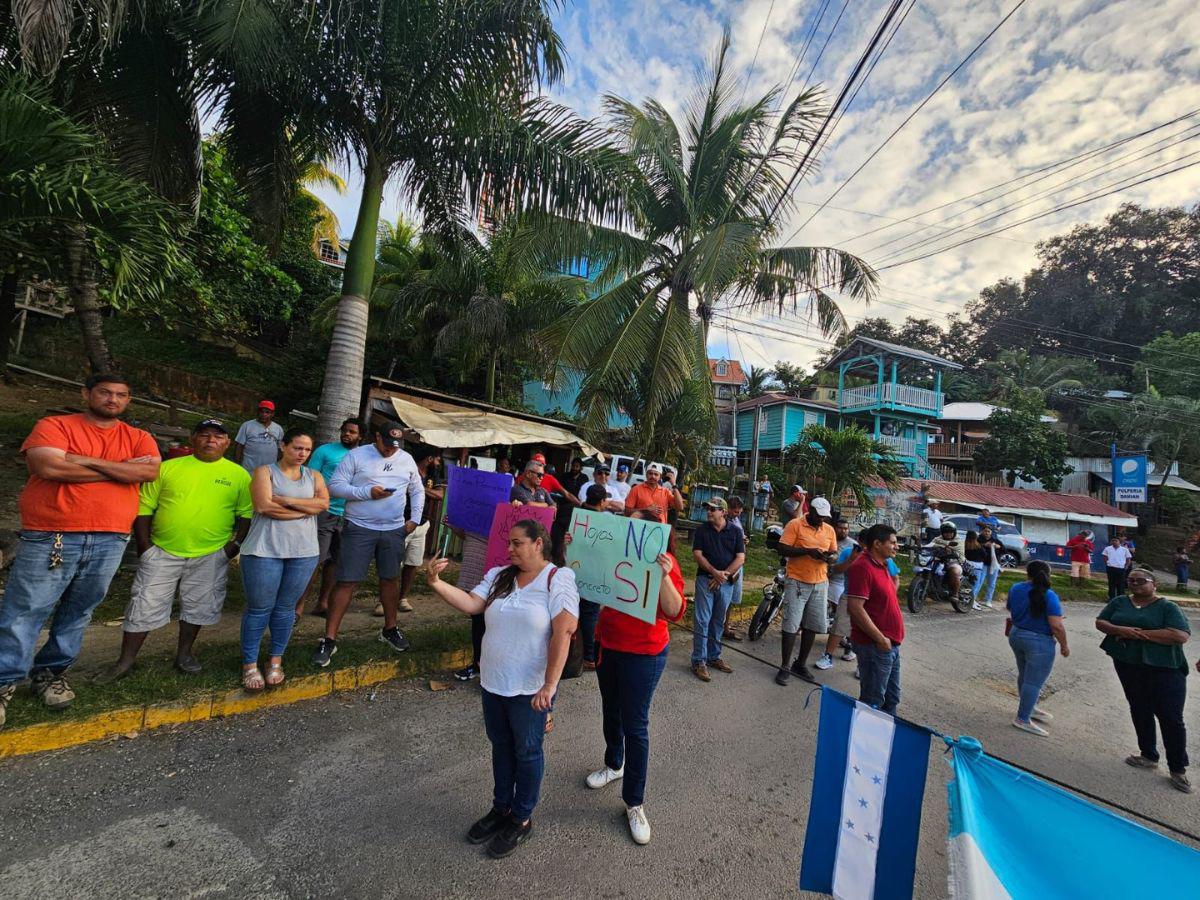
(329,252)
(762,423)
(724,392)
(722,370)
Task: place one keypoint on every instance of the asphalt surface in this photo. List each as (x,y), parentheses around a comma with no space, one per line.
(368,794)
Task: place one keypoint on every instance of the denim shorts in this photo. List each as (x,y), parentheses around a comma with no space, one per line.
(360,545)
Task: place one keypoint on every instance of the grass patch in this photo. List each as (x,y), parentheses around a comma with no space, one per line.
(154,680)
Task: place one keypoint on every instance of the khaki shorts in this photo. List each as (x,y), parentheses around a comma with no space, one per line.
(1081,570)
(414,545)
(841,619)
(199,580)
(804,606)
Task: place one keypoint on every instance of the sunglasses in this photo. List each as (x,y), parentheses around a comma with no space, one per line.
(537,474)
(1138,581)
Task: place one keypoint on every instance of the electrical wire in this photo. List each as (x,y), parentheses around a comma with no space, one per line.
(910,116)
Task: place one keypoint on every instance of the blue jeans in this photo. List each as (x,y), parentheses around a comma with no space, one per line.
(272,588)
(879,677)
(589,615)
(1035,658)
(516,730)
(708,618)
(627,683)
(982,577)
(1181,575)
(71,590)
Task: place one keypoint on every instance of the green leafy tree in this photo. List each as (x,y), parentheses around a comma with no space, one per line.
(1019,370)
(840,462)
(710,201)
(1165,427)
(1022,446)
(1171,364)
(790,377)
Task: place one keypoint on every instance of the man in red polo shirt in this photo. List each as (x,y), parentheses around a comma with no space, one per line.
(876,626)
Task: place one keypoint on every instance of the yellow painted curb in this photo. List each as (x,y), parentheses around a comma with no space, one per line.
(57,735)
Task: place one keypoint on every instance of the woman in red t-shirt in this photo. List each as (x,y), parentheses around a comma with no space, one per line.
(633,655)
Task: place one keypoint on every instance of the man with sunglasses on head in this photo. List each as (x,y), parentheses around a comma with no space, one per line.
(528,490)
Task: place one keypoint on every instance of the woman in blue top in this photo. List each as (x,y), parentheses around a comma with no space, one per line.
(1034,624)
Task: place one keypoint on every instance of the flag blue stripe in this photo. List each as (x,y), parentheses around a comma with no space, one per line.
(896,862)
(829,778)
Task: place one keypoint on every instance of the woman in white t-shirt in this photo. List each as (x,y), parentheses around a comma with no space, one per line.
(531,610)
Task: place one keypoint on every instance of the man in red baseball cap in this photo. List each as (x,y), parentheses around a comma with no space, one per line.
(257,441)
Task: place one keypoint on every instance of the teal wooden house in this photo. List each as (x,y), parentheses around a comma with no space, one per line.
(774,421)
(893,392)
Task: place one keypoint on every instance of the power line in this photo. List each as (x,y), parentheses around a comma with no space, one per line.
(1073,182)
(828,38)
(1050,168)
(804,50)
(893,8)
(911,115)
(754,62)
(1058,209)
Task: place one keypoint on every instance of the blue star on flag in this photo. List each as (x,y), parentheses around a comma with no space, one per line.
(862,801)
(849,824)
(870,838)
(876,779)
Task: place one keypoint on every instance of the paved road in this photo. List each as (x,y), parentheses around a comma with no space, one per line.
(367,794)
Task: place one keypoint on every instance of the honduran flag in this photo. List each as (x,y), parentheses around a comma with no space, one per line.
(865,814)
(1013,835)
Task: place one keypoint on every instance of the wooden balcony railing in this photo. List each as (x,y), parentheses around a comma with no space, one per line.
(875,396)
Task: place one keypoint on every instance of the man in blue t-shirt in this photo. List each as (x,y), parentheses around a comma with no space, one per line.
(985,517)
(325,459)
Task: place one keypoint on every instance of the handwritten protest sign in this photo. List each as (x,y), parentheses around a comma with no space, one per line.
(614,561)
(473,495)
(504,518)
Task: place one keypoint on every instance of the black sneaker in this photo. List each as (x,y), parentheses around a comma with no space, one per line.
(487,827)
(508,838)
(783,676)
(326,647)
(394,639)
(803,673)
(467,673)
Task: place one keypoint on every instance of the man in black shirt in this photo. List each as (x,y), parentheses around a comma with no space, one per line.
(528,491)
(720,552)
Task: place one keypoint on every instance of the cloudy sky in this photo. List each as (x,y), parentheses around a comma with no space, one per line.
(1061,78)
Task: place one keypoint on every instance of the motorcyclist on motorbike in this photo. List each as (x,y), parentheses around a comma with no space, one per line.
(946,553)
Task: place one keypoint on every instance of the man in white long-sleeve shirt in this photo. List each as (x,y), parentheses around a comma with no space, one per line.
(378,482)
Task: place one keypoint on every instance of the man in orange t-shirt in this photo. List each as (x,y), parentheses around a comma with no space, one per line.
(654,494)
(76,512)
(810,544)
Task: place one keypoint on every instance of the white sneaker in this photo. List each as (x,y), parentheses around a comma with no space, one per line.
(1031,728)
(1041,715)
(976,606)
(988,605)
(639,825)
(601,777)
(825,662)
(849,656)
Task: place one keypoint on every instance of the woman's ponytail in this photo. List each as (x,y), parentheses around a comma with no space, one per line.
(1039,577)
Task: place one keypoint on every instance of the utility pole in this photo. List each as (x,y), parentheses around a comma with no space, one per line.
(733,461)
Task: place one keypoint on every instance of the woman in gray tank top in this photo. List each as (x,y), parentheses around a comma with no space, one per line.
(279,554)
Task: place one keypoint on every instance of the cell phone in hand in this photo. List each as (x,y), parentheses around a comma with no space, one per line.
(389,490)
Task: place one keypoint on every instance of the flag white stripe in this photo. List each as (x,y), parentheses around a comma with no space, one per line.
(868,757)
(971,878)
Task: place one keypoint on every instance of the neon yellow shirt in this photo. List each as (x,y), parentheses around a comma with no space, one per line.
(194,504)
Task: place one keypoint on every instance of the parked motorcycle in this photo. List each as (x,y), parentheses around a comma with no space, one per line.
(929,583)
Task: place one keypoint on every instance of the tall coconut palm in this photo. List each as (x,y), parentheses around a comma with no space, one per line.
(435,95)
(758,381)
(709,200)
(1019,370)
(496,295)
(317,173)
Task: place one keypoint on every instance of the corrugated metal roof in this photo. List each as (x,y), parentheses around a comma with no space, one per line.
(851,350)
(970,411)
(1173,481)
(770,398)
(1017,500)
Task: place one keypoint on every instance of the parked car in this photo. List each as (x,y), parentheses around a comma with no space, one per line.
(1016,545)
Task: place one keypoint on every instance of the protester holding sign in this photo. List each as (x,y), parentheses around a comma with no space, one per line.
(632,658)
(531,608)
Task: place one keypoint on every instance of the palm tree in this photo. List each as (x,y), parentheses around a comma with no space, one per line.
(434,93)
(56,178)
(317,173)
(841,462)
(1019,370)
(758,382)
(496,294)
(709,199)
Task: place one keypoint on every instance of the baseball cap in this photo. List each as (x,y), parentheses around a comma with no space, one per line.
(622,468)
(392,434)
(797,489)
(596,493)
(716,503)
(214,424)
(603,467)
(654,467)
(821,507)
(266,404)
(539,457)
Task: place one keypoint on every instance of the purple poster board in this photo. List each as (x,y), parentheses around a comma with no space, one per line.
(472,499)
(505,517)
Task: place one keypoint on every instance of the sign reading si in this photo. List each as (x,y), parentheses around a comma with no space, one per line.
(1129,478)
(473,495)
(504,517)
(614,561)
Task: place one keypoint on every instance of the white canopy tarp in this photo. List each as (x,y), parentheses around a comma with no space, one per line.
(473,428)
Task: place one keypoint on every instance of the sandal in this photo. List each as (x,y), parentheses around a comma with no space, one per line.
(275,676)
(252,679)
